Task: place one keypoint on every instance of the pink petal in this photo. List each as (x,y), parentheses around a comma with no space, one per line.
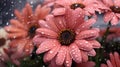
(75,53)
(92,53)
(74,17)
(88,34)
(118,15)
(114,20)
(86,64)
(95,44)
(60,23)
(103,65)
(109,63)
(83,45)
(47,32)
(108,2)
(53,64)
(51,54)
(84,56)
(17,23)
(58,11)
(90,9)
(112,59)
(61,55)
(50,22)
(117,59)
(38,39)
(68,59)
(86,25)
(46,45)
(44,24)
(117,3)
(13,29)
(108,16)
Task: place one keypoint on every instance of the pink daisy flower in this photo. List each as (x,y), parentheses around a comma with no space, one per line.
(89,6)
(113,14)
(114,61)
(22,30)
(67,37)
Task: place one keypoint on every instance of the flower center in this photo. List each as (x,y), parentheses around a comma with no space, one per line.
(77,5)
(115,9)
(2,41)
(66,37)
(32,31)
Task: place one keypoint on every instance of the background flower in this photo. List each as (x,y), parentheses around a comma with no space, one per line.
(22,30)
(113,14)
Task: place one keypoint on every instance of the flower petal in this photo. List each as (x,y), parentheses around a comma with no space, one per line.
(46,45)
(84,56)
(84,45)
(61,55)
(117,3)
(109,63)
(108,16)
(88,34)
(17,23)
(51,54)
(58,11)
(38,39)
(103,65)
(114,20)
(108,2)
(117,59)
(75,53)
(17,35)
(92,53)
(47,32)
(68,59)
(112,59)
(86,25)
(95,43)
(53,64)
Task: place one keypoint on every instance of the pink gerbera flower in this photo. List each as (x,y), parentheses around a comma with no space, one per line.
(113,14)
(22,30)
(89,6)
(67,37)
(114,61)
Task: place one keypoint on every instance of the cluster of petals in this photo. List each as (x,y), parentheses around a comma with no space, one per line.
(88,6)
(113,14)
(21,30)
(114,60)
(46,38)
(4,42)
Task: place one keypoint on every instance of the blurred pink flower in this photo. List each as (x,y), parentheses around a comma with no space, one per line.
(113,33)
(22,30)
(89,6)
(114,61)
(67,37)
(113,14)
